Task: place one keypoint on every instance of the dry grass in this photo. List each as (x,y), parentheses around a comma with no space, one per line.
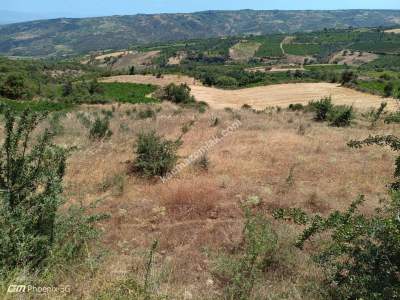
(243,50)
(190,200)
(397,30)
(355,59)
(197,214)
(263,96)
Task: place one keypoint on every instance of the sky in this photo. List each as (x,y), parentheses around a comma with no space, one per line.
(81,8)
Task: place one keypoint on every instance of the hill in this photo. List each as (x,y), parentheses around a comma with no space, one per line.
(74,36)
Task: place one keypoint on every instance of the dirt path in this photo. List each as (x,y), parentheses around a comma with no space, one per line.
(263,96)
(283,50)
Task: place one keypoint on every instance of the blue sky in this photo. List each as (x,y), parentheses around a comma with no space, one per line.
(106,7)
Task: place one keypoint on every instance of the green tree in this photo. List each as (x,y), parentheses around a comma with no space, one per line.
(348,76)
(94,87)
(388,89)
(67,89)
(15,87)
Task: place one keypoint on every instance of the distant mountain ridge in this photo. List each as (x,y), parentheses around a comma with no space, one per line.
(67,36)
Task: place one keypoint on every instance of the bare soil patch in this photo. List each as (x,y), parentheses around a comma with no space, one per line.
(243,51)
(136,59)
(113,54)
(352,58)
(176,60)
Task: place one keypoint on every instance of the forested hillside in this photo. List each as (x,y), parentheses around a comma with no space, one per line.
(72,36)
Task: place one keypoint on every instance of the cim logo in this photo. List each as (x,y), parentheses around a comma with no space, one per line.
(13,288)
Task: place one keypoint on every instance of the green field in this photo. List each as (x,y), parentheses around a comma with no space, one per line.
(36,106)
(270,46)
(302,49)
(128,92)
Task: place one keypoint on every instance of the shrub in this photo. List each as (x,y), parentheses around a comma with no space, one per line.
(155,156)
(134,287)
(202,107)
(240,272)
(375,115)
(348,76)
(146,114)
(362,255)
(246,107)
(30,182)
(226,81)
(393,118)
(179,94)
(100,129)
(187,126)
(203,162)
(33,234)
(15,87)
(390,141)
(341,116)
(321,108)
(94,87)
(388,89)
(296,107)
(67,89)
(214,122)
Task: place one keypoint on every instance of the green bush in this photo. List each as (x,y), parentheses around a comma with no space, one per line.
(347,77)
(155,156)
(34,235)
(393,118)
(361,256)
(100,129)
(226,81)
(31,186)
(388,89)
(337,115)
(296,107)
(374,115)
(341,116)
(321,108)
(146,114)
(179,94)
(15,87)
(391,141)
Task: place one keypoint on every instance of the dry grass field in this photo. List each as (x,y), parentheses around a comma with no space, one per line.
(397,30)
(112,54)
(196,217)
(263,96)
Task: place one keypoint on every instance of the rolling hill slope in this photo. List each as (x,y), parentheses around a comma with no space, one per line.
(72,36)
